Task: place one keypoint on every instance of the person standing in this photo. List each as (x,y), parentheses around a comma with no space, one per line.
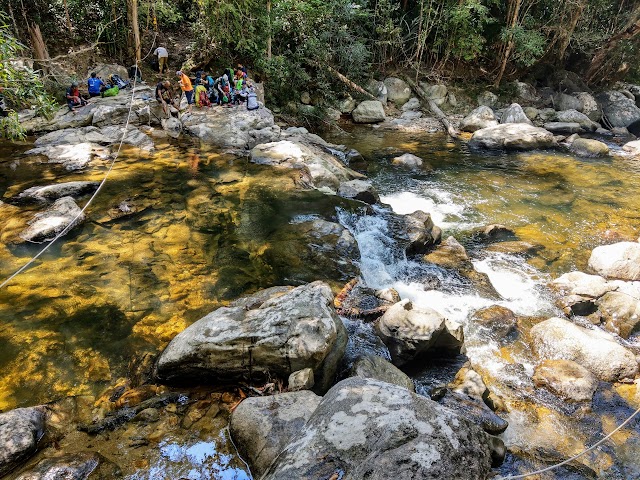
(187,88)
(163,58)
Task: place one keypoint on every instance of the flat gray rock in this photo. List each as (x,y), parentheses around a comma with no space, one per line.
(20,431)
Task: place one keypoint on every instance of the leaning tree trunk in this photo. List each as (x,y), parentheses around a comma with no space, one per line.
(134,30)
(434,108)
(40,52)
(631,30)
(512,19)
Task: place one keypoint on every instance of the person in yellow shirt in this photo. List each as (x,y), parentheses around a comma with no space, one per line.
(187,88)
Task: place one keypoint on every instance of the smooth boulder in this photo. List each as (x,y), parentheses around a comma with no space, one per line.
(617,261)
(367,429)
(587,147)
(513,136)
(574,116)
(359,190)
(270,333)
(369,111)
(373,366)
(597,351)
(53,192)
(619,110)
(514,114)
(398,91)
(566,379)
(20,431)
(620,309)
(63,215)
(407,160)
(481,117)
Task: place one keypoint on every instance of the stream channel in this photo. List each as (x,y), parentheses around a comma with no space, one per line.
(185,229)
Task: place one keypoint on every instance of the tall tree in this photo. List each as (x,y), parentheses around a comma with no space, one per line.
(134,29)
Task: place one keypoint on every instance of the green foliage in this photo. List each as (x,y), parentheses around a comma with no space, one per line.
(528,45)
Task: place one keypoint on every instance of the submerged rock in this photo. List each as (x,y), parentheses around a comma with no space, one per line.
(473,409)
(20,431)
(53,192)
(481,117)
(407,160)
(566,379)
(496,318)
(73,466)
(617,261)
(557,339)
(72,157)
(359,190)
(513,136)
(378,368)
(261,427)
(63,214)
(367,429)
(369,111)
(270,333)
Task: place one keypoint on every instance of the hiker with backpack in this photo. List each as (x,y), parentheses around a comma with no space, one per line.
(163,58)
(74,100)
(96,85)
(187,88)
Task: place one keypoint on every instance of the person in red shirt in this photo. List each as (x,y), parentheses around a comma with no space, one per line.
(187,88)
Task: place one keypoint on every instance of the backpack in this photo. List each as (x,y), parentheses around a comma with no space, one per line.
(117,81)
(204,99)
(252,101)
(111,92)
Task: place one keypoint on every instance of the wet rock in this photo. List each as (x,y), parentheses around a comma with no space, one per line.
(73,466)
(473,409)
(617,261)
(516,247)
(512,136)
(574,116)
(365,429)
(567,379)
(20,430)
(495,233)
(407,160)
(409,332)
(496,318)
(421,233)
(323,170)
(49,193)
(563,127)
(468,382)
(373,366)
(449,254)
(92,135)
(172,126)
(148,415)
(72,157)
(481,117)
(398,91)
(301,380)
(620,309)
(586,147)
(369,111)
(487,99)
(359,190)
(620,110)
(558,339)
(227,127)
(63,214)
(412,104)
(261,427)
(285,333)
(578,283)
(562,101)
(514,114)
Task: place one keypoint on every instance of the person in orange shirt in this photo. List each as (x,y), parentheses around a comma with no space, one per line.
(187,88)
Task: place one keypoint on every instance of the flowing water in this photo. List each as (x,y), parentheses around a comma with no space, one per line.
(183,230)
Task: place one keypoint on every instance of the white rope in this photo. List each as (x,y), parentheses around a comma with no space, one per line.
(236,449)
(71,224)
(592,447)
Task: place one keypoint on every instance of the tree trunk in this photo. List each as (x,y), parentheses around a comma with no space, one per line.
(40,52)
(68,17)
(349,83)
(434,108)
(568,32)
(269,27)
(631,30)
(512,19)
(134,30)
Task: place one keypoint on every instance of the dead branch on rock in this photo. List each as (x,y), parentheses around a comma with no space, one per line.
(433,108)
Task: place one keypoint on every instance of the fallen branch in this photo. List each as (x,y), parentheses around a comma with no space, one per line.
(349,83)
(433,108)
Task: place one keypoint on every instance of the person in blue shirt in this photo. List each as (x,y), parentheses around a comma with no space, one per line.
(96,85)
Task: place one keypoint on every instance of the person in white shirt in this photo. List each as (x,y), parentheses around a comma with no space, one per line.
(163,58)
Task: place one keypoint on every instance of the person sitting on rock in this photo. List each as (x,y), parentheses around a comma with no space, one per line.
(187,88)
(74,100)
(96,85)
(252,99)
(164,95)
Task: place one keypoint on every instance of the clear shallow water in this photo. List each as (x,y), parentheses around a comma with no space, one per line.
(205,229)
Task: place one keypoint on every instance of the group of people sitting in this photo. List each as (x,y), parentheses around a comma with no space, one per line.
(230,89)
(97,87)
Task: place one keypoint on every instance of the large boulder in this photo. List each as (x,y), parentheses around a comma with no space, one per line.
(20,431)
(359,190)
(515,114)
(367,429)
(49,193)
(398,91)
(409,332)
(632,147)
(63,214)
(566,379)
(590,106)
(587,147)
(513,136)
(93,135)
(373,366)
(227,127)
(105,70)
(563,127)
(487,99)
(378,89)
(471,408)
(620,309)
(72,157)
(270,333)
(574,116)
(619,110)
(481,117)
(421,233)
(526,92)
(562,101)
(617,261)
(436,93)
(319,169)
(261,427)
(597,351)
(369,111)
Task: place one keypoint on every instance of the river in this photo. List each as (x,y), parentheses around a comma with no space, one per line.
(180,231)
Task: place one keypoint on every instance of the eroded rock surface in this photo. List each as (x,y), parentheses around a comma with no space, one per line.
(20,430)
